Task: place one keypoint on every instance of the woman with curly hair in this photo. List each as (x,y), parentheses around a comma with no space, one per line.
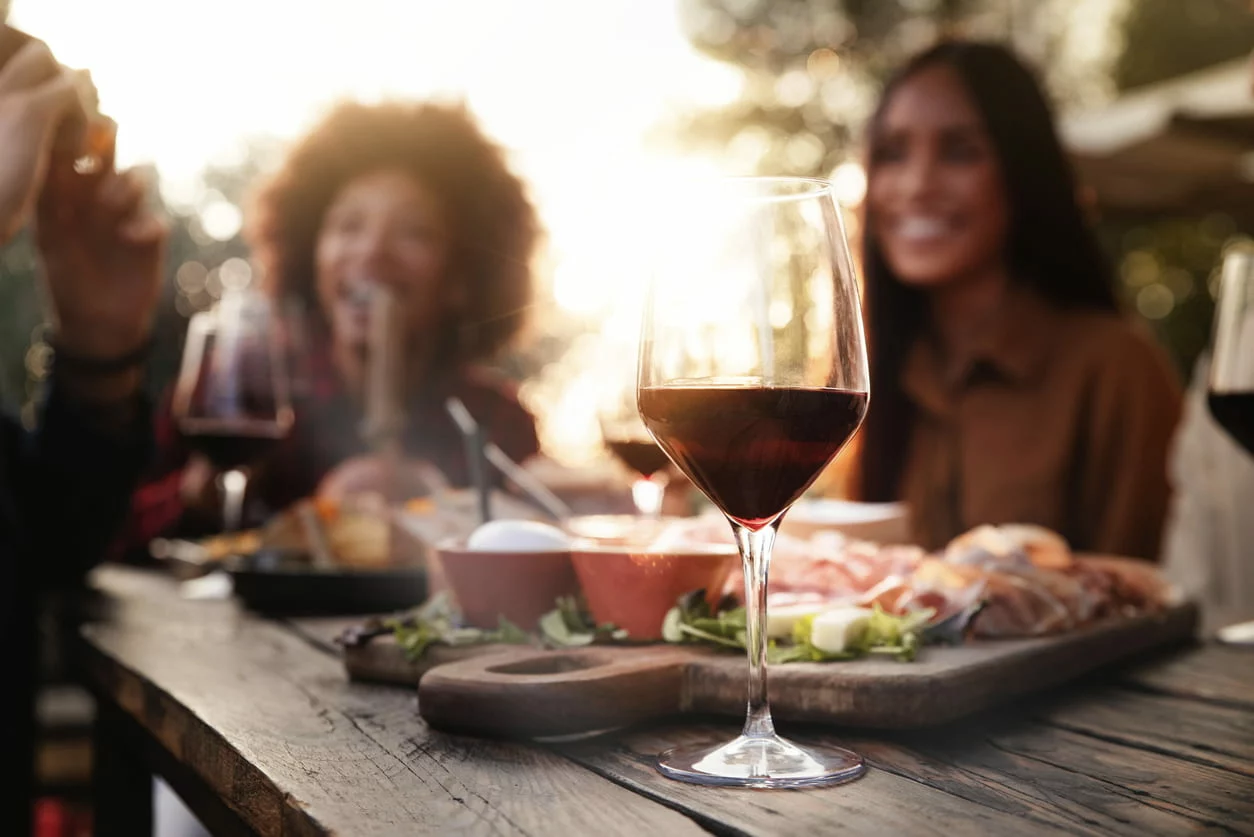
(414,198)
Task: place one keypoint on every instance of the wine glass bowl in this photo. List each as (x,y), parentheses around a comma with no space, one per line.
(752,377)
(1230,386)
(630,442)
(751,446)
(231,399)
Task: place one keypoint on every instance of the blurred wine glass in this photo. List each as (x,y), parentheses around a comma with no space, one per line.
(1230,389)
(232,400)
(627,438)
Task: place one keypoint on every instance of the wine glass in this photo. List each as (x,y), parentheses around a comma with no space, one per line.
(629,441)
(231,400)
(1230,388)
(752,377)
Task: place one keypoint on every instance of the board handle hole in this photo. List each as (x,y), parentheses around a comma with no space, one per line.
(551,664)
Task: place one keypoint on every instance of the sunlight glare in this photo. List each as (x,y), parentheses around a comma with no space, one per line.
(573,90)
(849,183)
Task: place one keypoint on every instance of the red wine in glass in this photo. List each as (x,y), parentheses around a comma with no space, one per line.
(629,442)
(232,444)
(640,455)
(231,401)
(243,431)
(1230,393)
(752,450)
(1235,413)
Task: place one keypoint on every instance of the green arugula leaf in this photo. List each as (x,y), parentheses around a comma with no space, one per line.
(717,639)
(555,631)
(569,625)
(691,621)
(437,622)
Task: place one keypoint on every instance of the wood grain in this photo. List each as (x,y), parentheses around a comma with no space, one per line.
(1208,734)
(1066,780)
(879,803)
(1043,777)
(1215,673)
(264,716)
(270,724)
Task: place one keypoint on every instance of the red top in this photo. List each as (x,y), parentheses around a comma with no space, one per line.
(326,431)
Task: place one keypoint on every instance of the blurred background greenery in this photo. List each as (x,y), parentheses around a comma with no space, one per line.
(804,75)
(814,70)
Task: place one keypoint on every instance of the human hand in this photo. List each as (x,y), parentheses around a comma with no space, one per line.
(37,98)
(102,250)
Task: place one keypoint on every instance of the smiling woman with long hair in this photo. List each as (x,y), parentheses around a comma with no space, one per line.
(1006,385)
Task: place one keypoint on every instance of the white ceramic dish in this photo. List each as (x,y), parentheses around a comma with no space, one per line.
(880,522)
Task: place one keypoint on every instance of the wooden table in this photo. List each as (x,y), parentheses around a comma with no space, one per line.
(254,723)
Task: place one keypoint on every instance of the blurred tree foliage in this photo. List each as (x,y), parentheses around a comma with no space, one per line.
(1168,38)
(813,68)
(21,318)
(1168,268)
(1169,265)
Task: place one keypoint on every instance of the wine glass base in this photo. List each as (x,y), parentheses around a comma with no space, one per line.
(769,762)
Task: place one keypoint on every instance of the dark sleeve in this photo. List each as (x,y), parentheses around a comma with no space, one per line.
(71,481)
(155,507)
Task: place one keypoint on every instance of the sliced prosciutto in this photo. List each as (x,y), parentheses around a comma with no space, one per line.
(993,581)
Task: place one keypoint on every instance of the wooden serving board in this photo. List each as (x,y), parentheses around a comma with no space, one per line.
(382,661)
(529,692)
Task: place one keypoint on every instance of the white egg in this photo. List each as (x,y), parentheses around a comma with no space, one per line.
(518,536)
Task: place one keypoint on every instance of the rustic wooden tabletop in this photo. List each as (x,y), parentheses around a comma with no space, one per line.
(253,721)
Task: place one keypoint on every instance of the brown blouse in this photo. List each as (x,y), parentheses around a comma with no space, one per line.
(1058,418)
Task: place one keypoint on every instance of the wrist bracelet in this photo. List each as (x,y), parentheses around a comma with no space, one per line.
(101,366)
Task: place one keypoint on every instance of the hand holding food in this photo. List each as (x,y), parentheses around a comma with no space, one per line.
(37,97)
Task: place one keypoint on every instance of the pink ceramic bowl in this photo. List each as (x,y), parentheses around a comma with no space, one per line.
(634,588)
(521,586)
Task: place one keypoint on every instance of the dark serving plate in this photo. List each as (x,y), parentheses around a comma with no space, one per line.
(277,583)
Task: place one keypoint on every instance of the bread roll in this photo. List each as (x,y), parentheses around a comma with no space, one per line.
(1044,547)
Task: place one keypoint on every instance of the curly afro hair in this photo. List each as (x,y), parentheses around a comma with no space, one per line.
(493,225)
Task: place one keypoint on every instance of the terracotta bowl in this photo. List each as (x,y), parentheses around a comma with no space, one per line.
(521,586)
(634,588)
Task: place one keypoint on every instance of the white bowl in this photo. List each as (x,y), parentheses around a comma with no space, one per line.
(879,522)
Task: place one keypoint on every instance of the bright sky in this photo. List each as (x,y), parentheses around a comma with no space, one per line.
(569,86)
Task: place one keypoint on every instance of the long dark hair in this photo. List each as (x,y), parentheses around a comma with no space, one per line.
(1049,247)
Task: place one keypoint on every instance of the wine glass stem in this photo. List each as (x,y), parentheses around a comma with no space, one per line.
(233,483)
(647,494)
(755,554)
